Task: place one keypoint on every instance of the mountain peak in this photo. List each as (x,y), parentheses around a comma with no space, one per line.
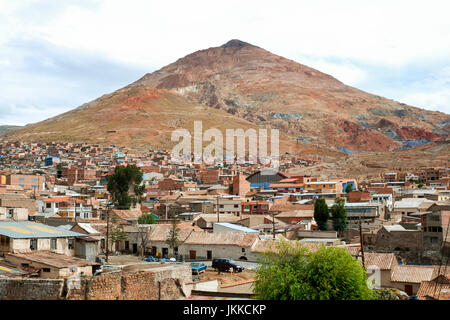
(235,43)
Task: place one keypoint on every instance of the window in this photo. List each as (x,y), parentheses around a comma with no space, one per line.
(236,206)
(45,269)
(10,213)
(48,205)
(33,244)
(70,244)
(21,179)
(53,244)
(127,245)
(243,249)
(102,244)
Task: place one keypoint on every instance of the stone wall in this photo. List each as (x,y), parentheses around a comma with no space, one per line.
(159,283)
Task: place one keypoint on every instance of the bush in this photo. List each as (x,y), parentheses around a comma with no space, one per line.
(296,273)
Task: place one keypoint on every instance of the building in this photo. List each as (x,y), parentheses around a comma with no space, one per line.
(324,187)
(29,182)
(51,265)
(240,185)
(409,278)
(264,178)
(65,207)
(19,237)
(228,206)
(255,207)
(13,214)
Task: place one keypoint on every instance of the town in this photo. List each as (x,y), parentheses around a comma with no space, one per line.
(59,225)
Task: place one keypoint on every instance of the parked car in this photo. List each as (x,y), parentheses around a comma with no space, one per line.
(223,264)
(198,267)
(152,259)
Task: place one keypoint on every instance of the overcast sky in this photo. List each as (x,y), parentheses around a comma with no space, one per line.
(56,55)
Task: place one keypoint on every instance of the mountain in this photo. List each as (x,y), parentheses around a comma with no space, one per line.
(239,85)
(267,89)
(6,128)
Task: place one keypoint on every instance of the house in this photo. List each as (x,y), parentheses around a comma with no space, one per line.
(156,244)
(395,238)
(29,182)
(437,288)
(409,278)
(358,196)
(207,246)
(366,212)
(52,265)
(64,206)
(255,207)
(382,264)
(408,206)
(293,213)
(88,247)
(324,187)
(206,221)
(29,236)
(435,224)
(228,206)
(129,216)
(240,185)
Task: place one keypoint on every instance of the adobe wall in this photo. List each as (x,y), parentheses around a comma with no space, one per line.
(161,283)
(31,289)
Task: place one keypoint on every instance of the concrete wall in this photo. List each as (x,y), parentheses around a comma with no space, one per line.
(62,245)
(19,214)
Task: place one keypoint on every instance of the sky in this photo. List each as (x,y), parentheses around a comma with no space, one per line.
(58,55)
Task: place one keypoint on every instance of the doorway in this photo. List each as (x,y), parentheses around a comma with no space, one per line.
(192,254)
(209,255)
(408,289)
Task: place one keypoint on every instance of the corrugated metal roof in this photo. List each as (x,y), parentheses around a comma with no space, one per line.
(53,259)
(235,227)
(27,230)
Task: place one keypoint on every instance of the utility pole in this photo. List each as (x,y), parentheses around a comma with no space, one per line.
(273,225)
(218,219)
(361,243)
(107,232)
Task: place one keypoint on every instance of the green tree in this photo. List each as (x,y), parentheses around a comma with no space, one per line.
(146,218)
(293,272)
(321,214)
(349,188)
(125,186)
(339,216)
